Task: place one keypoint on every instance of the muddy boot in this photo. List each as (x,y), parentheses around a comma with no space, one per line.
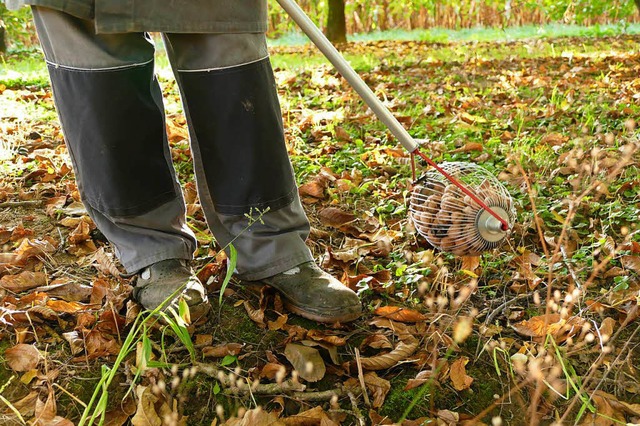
(314,294)
(159,281)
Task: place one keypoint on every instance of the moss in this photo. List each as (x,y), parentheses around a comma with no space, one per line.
(81,383)
(398,399)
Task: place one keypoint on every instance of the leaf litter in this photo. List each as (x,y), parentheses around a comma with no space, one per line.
(561,298)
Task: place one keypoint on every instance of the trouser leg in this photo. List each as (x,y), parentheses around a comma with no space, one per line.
(244,176)
(111,112)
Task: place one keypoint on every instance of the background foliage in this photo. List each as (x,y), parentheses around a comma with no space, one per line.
(365,16)
(374,15)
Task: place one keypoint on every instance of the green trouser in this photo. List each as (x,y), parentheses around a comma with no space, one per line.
(111,111)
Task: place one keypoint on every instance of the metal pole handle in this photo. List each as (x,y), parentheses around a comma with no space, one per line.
(341,64)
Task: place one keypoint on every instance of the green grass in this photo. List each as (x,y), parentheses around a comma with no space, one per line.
(28,67)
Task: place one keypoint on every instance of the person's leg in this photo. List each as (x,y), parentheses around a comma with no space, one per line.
(244,177)
(240,159)
(111,112)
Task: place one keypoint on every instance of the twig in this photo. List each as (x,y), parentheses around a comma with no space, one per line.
(356,410)
(500,308)
(361,379)
(24,203)
(260,389)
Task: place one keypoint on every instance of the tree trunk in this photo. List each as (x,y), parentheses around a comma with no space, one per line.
(638,4)
(337,23)
(3,39)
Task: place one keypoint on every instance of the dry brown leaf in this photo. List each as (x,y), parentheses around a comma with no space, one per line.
(256,315)
(335,217)
(271,369)
(376,341)
(321,336)
(97,345)
(306,361)
(25,280)
(75,341)
(458,374)
(470,263)
(62,306)
(397,313)
(66,289)
(32,248)
(313,416)
(83,248)
(468,147)
(448,418)
(204,339)
(146,413)
(554,139)
(254,417)
(53,205)
(104,263)
(27,405)
(22,357)
(631,262)
(314,188)
(278,323)
(46,411)
(560,329)
(607,328)
(378,387)
(221,351)
(381,362)
(606,415)
(120,414)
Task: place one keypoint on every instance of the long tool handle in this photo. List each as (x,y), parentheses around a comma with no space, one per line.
(352,77)
(341,64)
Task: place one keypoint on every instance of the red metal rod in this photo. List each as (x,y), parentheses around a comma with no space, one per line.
(474,197)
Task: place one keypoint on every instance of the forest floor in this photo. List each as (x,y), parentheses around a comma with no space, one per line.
(543,329)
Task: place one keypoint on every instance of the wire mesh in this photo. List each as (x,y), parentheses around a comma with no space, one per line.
(452,221)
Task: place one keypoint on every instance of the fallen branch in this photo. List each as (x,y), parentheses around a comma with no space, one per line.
(293,389)
(25,203)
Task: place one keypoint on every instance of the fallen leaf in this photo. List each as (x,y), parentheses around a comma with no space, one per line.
(67,289)
(322,336)
(468,147)
(378,387)
(22,357)
(313,416)
(146,413)
(254,417)
(271,370)
(458,374)
(607,328)
(277,324)
(76,342)
(25,280)
(80,233)
(376,341)
(27,405)
(63,306)
(220,351)
(397,313)
(53,205)
(631,262)
(381,362)
(560,329)
(306,361)
(470,263)
(256,315)
(335,217)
